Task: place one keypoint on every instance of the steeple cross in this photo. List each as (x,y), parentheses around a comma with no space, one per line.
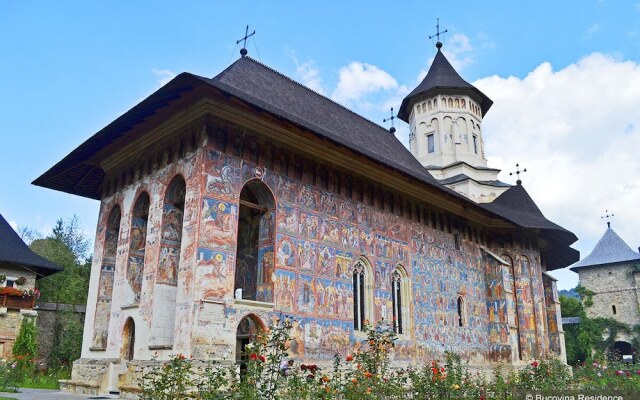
(247,35)
(518,172)
(607,216)
(438,33)
(391,118)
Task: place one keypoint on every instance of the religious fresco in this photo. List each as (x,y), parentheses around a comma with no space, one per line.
(553,321)
(105,287)
(284,290)
(306,298)
(137,244)
(219,224)
(223,176)
(307,255)
(215,273)
(286,251)
(171,236)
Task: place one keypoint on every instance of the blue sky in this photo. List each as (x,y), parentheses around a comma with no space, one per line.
(563,75)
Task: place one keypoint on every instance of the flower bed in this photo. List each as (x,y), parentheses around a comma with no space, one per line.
(16,299)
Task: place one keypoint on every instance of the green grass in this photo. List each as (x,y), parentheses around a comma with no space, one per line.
(7,398)
(40,382)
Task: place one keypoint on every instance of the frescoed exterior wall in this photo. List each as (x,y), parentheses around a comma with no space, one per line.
(321,223)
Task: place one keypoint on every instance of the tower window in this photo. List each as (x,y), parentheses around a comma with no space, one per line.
(358,297)
(475,144)
(431,144)
(613,308)
(457,241)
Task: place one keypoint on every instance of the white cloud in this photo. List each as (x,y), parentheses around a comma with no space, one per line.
(593,29)
(358,79)
(163,76)
(310,76)
(577,131)
(14,225)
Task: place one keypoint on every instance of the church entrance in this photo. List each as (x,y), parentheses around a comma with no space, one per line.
(620,349)
(247,332)
(255,260)
(128,340)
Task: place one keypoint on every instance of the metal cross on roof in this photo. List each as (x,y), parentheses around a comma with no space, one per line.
(607,216)
(391,118)
(518,172)
(438,33)
(247,35)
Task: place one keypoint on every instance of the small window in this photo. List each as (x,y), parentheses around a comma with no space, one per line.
(358,297)
(12,283)
(457,240)
(613,308)
(460,311)
(475,144)
(431,145)
(396,299)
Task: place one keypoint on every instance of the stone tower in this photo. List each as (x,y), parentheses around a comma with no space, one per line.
(445,117)
(612,272)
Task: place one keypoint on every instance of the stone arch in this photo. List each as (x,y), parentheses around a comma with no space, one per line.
(620,348)
(137,244)
(255,260)
(107,272)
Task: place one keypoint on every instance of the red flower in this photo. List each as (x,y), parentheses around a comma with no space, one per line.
(253,356)
(262,358)
(303,367)
(350,358)
(535,364)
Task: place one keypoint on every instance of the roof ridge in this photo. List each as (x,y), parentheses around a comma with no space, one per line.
(309,89)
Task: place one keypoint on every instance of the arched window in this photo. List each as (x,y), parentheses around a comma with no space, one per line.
(105,287)
(362,296)
(461,318)
(171,237)
(450,102)
(137,244)
(255,256)
(399,296)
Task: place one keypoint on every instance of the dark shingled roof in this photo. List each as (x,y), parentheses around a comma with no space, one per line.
(516,205)
(610,249)
(14,251)
(442,78)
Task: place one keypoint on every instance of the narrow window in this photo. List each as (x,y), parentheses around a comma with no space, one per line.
(255,255)
(431,145)
(475,144)
(613,308)
(358,296)
(460,311)
(396,299)
(457,240)
(12,283)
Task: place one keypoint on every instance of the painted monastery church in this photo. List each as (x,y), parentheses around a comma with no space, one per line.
(227,202)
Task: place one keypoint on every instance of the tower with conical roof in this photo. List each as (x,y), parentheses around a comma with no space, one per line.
(445,115)
(612,272)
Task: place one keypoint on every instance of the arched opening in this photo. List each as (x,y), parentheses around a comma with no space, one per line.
(128,340)
(460,311)
(619,350)
(171,237)
(247,332)
(254,273)
(399,295)
(137,244)
(105,287)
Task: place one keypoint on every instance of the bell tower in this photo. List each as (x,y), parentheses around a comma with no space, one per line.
(445,113)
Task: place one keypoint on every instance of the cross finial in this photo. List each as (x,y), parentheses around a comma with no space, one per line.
(518,172)
(438,33)
(607,216)
(247,35)
(391,118)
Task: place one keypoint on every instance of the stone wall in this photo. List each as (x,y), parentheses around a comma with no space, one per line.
(48,315)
